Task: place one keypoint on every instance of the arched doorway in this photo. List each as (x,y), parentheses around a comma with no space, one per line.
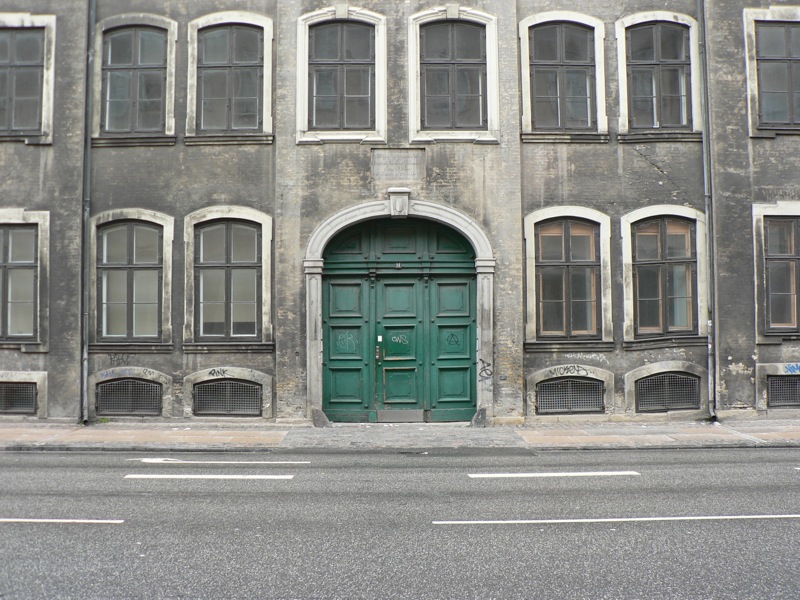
(399,326)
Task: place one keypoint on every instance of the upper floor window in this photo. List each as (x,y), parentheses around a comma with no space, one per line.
(568,278)
(453,74)
(18,282)
(664,276)
(778,59)
(129,280)
(659,76)
(562,76)
(342,76)
(134,80)
(228,280)
(782,258)
(21,67)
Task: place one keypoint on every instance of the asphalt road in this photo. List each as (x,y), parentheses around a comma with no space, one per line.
(652,524)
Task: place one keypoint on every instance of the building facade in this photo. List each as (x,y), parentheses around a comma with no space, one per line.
(497,212)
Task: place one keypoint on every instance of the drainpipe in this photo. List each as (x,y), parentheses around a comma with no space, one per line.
(710,212)
(86,208)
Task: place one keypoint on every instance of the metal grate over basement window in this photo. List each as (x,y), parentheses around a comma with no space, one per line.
(133,397)
(783,390)
(18,398)
(569,395)
(227,397)
(667,391)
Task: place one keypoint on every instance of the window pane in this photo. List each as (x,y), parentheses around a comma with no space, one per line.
(145,245)
(437,82)
(545,91)
(545,83)
(145,303)
(3,100)
(582,282)
(27,98)
(673,44)
(115,303)
(469,42)
(215,101)
(212,285)
(578,99)
(771,41)
(679,239)
(781,277)
(780,237)
(577,44)
(774,77)
(545,114)
(552,305)
(357,81)
(120,48)
(5,47)
(551,241)
(642,44)
(326,112)
(243,319)
(118,95)
(212,298)
(21,293)
(21,245)
(437,112)
(794,41)
(212,244)
(552,279)
(647,240)
(325,42)
(244,240)
(243,285)
(216,46)
(648,294)
(582,242)
(782,294)
(326,81)
(145,286)
(20,285)
(212,319)
(245,114)
(115,245)
(29,47)
(544,43)
(673,97)
(150,101)
(583,299)
(468,81)
(245,83)
(436,42)
(679,291)
(152,48)
(357,113)
(468,112)
(246,45)
(357,42)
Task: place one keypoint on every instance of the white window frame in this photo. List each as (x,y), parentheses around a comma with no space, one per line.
(450,12)
(565,16)
(232,17)
(167,225)
(228,213)
(604,297)
(134,20)
(663,16)
(701,254)
(751,17)
(48,23)
(342,12)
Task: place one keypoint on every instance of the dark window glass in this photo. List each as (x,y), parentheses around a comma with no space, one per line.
(562,76)
(659,76)
(341,76)
(664,276)
(134,80)
(453,71)
(782,263)
(228,280)
(778,59)
(129,281)
(18,282)
(21,77)
(230,71)
(568,279)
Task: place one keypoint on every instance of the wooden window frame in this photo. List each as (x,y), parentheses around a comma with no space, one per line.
(792,72)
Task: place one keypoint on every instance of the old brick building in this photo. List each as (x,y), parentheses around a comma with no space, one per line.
(502,212)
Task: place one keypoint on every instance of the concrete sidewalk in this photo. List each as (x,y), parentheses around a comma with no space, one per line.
(418,437)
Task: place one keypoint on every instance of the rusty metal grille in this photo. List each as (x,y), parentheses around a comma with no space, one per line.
(569,395)
(129,397)
(667,391)
(227,397)
(783,391)
(18,398)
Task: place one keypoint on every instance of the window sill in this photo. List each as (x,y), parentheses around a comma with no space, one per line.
(777,338)
(772,133)
(134,140)
(35,139)
(130,348)
(227,347)
(341,137)
(26,347)
(470,137)
(564,137)
(658,135)
(229,139)
(665,342)
(568,346)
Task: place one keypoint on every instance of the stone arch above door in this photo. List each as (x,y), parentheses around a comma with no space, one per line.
(484,267)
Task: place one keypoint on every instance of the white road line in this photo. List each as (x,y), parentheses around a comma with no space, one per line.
(79,521)
(617,520)
(576,474)
(161,476)
(178,461)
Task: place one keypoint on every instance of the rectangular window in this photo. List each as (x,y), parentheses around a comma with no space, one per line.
(782,263)
(21,80)
(18,282)
(778,65)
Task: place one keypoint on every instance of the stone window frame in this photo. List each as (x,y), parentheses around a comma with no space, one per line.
(232,17)
(342,12)
(264,341)
(41,220)
(48,24)
(751,16)
(38,378)
(560,371)
(694,133)
(167,137)
(604,297)
(453,12)
(131,372)
(600,133)
(167,225)
(667,366)
(701,253)
(265,380)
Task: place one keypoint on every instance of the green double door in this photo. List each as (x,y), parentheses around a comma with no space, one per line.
(399,347)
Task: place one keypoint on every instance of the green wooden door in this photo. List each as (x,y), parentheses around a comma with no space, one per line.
(399,336)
